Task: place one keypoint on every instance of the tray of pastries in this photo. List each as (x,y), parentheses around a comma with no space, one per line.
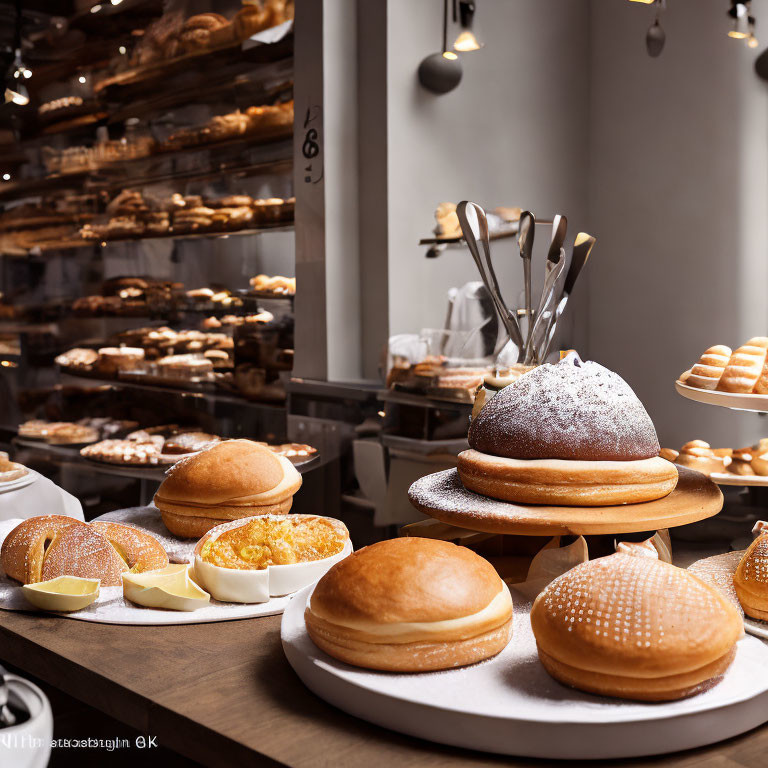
(726,466)
(730,378)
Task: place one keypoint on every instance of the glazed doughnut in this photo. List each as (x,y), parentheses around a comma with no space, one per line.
(567,482)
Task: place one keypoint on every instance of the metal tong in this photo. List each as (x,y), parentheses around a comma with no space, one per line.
(472,217)
(582,247)
(554,267)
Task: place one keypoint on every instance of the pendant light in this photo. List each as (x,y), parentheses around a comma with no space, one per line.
(739,17)
(467,39)
(15,90)
(441,72)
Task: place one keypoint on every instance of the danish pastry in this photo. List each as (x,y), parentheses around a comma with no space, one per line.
(698,455)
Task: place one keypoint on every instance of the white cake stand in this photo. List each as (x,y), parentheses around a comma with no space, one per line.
(738,402)
(510,705)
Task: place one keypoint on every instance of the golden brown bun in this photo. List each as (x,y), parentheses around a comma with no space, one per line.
(744,368)
(192,526)
(411,604)
(567,483)
(641,689)
(759,464)
(632,626)
(43,548)
(232,471)
(669,454)
(707,372)
(698,455)
(751,579)
(410,657)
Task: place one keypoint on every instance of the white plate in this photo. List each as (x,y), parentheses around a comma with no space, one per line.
(112,608)
(738,402)
(22,482)
(510,705)
(728,478)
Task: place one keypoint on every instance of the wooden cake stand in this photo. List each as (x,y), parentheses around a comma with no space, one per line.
(443,497)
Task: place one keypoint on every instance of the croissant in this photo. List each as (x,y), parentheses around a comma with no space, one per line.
(751,577)
(707,372)
(45,547)
(743,370)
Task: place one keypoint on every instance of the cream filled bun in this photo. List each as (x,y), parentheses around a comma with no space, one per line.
(227,481)
(573,433)
(751,577)
(251,560)
(633,627)
(411,605)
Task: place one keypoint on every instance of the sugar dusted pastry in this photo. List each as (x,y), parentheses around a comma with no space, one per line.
(698,455)
(751,577)
(633,627)
(707,372)
(411,605)
(573,433)
(744,368)
(49,546)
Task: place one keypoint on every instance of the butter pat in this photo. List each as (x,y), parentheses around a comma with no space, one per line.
(170,588)
(65,593)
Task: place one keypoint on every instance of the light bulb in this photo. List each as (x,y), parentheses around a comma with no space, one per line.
(739,15)
(752,42)
(122,49)
(450,55)
(466,41)
(81,79)
(95,8)
(6,177)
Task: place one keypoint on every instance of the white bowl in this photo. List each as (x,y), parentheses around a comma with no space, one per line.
(27,745)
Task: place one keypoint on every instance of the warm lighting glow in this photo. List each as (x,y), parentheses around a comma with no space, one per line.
(450,55)
(736,35)
(644,2)
(81,79)
(752,42)
(6,177)
(466,41)
(382,414)
(19,96)
(123,50)
(739,15)
(116,2)
(95,8)
(27,73)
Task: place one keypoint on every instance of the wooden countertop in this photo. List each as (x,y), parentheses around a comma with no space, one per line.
(223,694)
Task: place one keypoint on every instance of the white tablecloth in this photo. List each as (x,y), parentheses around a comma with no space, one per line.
(42,497)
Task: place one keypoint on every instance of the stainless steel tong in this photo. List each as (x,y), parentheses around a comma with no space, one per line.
(474,227)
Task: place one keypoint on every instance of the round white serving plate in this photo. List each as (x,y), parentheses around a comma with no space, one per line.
(727,478)
(112,608)
(22,482)
(738,402)
(510,705)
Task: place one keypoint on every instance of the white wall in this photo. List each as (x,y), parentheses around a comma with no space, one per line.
(678,193)
(514,132)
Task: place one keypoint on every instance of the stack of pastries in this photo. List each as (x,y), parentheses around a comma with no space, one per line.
(573,433)
(742,371)
(699,455)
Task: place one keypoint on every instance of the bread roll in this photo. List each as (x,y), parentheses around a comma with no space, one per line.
(744,368)
(707,372)
(633,627)
(751,578)
(698,455)
(411,605)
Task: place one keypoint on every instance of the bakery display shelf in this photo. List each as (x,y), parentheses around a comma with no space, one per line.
(501,234)
(116,176)
(510,705)
(422,401)
(207,393)
(442,496)
(114,86)
(732,400)
(68,245)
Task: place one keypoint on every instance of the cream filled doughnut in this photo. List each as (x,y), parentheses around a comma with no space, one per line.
(411,605)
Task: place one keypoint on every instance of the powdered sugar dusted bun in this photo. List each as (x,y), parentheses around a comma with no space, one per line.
(751,578)
(411,605)
(635,628)
(570,410)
